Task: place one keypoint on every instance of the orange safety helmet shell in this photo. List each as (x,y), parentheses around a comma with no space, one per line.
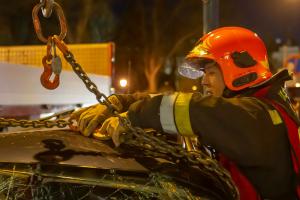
(240,53)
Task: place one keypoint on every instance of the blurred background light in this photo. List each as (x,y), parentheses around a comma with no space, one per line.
(123,83)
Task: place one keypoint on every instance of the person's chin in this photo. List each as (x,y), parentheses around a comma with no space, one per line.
(208,93)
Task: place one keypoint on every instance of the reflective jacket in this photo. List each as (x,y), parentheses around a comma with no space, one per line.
(246,129)
(246,189)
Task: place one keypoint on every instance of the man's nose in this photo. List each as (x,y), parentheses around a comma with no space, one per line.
(204,80)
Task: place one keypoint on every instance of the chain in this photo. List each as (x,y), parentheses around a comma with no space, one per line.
(47,7)
(33,123)
(90,85)
(152,145)
(45,122)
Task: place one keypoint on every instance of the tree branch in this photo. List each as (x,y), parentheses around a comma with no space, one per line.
(179,42)
(83,20)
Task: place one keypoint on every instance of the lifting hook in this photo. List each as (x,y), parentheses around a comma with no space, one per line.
(46,75)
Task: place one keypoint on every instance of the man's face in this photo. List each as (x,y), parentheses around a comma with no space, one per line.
(213,82)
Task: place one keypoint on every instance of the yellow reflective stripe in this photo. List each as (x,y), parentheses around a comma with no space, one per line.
(276,119)
(182,114)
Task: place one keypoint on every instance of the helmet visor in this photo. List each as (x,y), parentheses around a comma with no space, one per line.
(193,68)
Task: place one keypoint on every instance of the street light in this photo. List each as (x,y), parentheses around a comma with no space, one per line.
(123,83)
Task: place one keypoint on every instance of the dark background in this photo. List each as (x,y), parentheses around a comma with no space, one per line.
(150,35)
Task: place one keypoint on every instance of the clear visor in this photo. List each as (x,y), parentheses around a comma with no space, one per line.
(193,69)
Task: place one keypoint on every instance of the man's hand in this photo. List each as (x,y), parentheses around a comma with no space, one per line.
(111,128)
(89,118)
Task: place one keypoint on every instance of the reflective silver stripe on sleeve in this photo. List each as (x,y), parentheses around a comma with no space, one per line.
(167,113)
(154,95)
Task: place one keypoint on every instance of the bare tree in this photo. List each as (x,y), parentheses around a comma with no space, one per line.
(160,30)
(89,20)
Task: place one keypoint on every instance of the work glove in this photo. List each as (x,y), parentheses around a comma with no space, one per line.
(112,129)
(90,118)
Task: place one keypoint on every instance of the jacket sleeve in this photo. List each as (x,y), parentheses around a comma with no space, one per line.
(127,99)
(238,127)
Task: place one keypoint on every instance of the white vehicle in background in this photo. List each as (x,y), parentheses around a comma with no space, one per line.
(23,96)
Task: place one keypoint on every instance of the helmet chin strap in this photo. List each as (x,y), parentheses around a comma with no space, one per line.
(227,93)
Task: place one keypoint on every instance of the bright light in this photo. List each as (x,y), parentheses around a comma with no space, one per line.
(112,90)
(194,88)
(123,83)
(42,115)
(297,84)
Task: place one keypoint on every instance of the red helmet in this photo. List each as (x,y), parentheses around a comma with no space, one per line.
(239,52)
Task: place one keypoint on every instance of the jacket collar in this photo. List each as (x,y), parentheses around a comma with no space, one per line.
(276,82)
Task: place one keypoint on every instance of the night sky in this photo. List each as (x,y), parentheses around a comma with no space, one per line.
(269,18)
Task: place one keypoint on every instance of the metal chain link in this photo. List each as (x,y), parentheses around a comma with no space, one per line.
(33,123)
(154,146)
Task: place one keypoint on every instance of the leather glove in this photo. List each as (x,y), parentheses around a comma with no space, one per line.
(89,118)
(111,128)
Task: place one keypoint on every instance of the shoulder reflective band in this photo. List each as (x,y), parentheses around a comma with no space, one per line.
(154,95)
(276,119)
(182,114)
(166,111)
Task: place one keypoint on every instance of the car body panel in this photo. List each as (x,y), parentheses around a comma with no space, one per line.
(62,147)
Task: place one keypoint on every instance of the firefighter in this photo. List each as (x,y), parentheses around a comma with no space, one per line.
(244,113)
